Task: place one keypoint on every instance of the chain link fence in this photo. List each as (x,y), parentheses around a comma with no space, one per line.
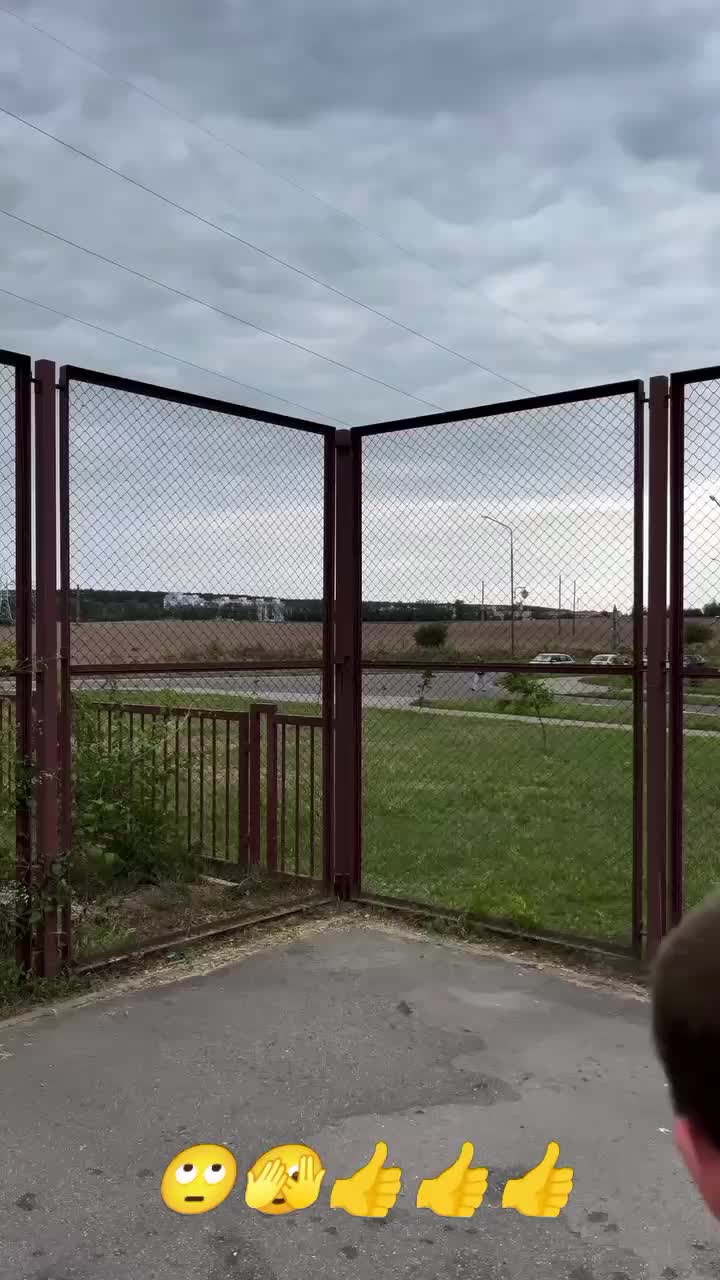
(196,666)
(695,630)
(506,538)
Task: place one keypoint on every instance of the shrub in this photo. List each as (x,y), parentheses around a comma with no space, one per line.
(528,696)
(697,633)
(432,635)
(122,831)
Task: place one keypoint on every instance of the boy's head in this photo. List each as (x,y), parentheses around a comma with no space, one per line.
(686,1025)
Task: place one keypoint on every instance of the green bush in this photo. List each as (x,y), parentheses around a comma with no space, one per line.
(432,635)
(122,832)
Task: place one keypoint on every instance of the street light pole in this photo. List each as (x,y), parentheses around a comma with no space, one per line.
(508,529)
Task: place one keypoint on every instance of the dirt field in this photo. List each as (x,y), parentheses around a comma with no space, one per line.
(114,642)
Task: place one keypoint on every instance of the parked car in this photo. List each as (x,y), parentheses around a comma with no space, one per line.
(608,660)
(693,661)
(550,659)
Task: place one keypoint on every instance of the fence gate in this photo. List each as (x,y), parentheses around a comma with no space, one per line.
(196,513)
(694,687)
(538,499)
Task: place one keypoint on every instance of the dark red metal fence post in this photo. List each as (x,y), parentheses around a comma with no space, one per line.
(656,666)
(65,776)
(46,646)
(638,682)
(676,674)
(328,672)
(348,662)
(23,657)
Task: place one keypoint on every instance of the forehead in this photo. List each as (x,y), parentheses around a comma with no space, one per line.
(204,1153)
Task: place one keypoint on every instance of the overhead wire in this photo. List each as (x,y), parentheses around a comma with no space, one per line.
(169,355)
(86,155)
(283,177)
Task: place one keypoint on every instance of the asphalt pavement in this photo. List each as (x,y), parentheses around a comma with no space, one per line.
(380,688)
(341,1038)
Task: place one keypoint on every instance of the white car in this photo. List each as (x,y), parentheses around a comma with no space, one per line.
(551,659)
(607,660)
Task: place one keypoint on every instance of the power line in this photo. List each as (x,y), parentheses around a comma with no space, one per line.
(180,293)
(249,244)
(339,364)
(283,177)
(145,346)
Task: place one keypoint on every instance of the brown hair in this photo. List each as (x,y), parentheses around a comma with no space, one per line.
(686,1016)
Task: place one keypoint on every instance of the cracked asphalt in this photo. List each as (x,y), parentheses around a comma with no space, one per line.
(340,1037)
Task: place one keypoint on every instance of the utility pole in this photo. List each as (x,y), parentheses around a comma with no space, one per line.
(574,604)
(77,603)
(559,603)
(482,600)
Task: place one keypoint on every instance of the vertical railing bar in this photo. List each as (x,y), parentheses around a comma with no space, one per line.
(271,789)
(312,801)
(189,781)
(177,765)
(227,790)
(283,794)
(201,716)
(166,726)
(244,788)
(297,799)
(214,780)
(254,787)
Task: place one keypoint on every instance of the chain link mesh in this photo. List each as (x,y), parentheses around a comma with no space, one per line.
(194,535)
(536,505)
(505,538)
(701,638)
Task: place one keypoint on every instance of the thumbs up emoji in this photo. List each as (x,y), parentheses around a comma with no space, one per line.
(370,1192)
(544,1191)
(457,1192)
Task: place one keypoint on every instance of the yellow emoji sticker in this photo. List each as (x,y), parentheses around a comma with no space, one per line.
(544,1191)
(457,1192)
(285,1179)
(199,1178)
(370,1192)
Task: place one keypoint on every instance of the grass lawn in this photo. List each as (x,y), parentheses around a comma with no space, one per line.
(470,813)
(568,711)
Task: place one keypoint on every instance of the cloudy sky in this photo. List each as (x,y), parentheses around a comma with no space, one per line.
(535,187)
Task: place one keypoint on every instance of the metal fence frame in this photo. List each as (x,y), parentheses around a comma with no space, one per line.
(71,374)
(676,853)
(44,658)
(351,663)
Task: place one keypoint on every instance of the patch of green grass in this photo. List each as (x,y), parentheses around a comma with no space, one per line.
(566,711)
(556,710)
(470,814)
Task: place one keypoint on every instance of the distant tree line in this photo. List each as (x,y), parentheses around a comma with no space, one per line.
(90,605)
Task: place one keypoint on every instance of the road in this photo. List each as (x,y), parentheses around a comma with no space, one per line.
(380,688)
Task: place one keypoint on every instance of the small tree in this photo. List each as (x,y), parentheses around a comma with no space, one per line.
(426,680)
(432,635)
(528,696)
(696,633)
